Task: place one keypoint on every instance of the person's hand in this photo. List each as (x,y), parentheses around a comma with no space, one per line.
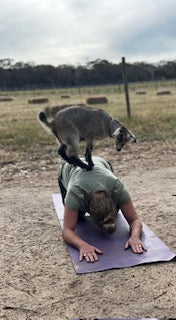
(136,245)
(89,253)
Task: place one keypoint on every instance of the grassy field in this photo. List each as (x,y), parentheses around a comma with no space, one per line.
(153,116)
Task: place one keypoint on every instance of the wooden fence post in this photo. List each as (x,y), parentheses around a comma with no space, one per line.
(124,73)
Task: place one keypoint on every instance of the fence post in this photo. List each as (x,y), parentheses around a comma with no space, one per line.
(124,73)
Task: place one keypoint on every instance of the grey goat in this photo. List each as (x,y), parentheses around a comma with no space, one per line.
(77,123)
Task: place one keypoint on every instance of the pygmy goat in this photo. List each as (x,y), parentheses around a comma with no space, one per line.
(77,123)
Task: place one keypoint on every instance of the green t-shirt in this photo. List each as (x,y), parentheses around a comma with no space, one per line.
(82,184)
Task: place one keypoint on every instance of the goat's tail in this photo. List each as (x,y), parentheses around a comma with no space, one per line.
(45,123)
(43,119)
(49,126)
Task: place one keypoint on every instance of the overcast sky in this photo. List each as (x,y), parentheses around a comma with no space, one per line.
(76,31)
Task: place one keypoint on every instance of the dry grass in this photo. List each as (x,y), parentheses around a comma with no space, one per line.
(153,117)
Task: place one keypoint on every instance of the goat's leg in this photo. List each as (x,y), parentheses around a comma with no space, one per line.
(63,154)
(72,151)
(88,154)
(72,159)
(78,162)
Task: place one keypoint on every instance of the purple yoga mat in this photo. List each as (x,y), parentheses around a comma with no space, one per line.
(114,255)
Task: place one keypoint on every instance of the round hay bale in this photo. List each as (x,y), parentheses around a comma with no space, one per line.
(38,100)
(97,100)
(163,92)
(2,99)
(140,92)
(65,96)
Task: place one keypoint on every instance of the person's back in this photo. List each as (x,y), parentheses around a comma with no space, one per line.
(81,185)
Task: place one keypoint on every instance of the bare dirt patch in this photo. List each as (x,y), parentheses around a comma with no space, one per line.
(37,279)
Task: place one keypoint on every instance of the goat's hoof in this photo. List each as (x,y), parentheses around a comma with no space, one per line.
(91,164)
(89,168)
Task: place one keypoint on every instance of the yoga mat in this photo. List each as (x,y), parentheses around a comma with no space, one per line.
(119,318)
(114,255)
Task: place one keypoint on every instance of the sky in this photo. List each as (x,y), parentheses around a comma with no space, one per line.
(75,32)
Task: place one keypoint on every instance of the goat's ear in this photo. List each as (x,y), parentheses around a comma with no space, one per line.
(116,132)
(132,136)
(114,124)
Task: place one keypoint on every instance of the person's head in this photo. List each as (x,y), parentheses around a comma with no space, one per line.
(103,211)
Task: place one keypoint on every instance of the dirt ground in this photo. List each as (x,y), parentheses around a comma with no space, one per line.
(37,280)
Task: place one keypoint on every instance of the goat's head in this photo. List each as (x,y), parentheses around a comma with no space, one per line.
(122,136)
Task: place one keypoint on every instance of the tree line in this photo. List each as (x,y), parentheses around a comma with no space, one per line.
(23,76)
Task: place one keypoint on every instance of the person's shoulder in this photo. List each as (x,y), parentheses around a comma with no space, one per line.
(99,160)
(73,198)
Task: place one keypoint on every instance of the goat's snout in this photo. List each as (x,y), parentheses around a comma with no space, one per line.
(119,148)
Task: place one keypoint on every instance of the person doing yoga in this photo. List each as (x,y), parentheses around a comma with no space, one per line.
(100,193)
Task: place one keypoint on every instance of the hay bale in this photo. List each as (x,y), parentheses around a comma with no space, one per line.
(140,92)
(2,99)
(163,92)
(97,100)
(65,96)
(38,100)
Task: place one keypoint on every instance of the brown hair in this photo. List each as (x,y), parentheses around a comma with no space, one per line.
(103,212)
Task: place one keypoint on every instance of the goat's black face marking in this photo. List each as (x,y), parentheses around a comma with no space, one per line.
(121,137)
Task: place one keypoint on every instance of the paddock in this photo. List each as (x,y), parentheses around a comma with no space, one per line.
(38,280)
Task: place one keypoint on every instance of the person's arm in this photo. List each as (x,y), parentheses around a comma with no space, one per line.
(135,224)
(68,233)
